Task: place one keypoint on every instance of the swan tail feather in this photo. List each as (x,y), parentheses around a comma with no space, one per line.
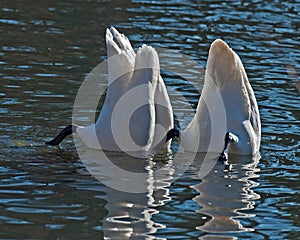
(120,56)
(146,68)
(224,65)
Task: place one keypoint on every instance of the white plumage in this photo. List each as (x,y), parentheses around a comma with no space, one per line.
(227,104)
(137,113)
(131,119)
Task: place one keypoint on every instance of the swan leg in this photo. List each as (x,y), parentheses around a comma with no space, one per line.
(229,138)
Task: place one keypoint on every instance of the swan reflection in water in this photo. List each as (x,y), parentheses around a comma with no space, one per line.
(225,194)
(136,187)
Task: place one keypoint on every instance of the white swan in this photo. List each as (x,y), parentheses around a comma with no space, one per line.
(137,113)
(227,108)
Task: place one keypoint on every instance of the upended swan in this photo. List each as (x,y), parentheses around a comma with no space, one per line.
(226,121)
(227,118)
(137,113)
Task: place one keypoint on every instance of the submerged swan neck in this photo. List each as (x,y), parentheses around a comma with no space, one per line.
(68,130)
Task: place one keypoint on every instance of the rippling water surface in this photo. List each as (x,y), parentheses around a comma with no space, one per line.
(48,47)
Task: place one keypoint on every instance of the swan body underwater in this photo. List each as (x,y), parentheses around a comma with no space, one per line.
(137,113)
(227,118)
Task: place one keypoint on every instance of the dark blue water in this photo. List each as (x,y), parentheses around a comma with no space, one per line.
(47,49)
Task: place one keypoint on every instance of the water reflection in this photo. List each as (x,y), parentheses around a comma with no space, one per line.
(225,194)
(134,188)
(49,46)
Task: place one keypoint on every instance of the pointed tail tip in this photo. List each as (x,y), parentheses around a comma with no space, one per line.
(146,51)
(114,31)
(146,57)
(111,33)
(108,33)
(219,47)
(223,59)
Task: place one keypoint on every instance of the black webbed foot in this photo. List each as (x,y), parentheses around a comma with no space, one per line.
(223,157)
(229,138)
(173,134)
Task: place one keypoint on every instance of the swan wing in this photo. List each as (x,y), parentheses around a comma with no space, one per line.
(164,116)
(227,102)
(120,61)
(254,124)
(136,106)
(242,114)
(118,42)
(130,114)
(120,56)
